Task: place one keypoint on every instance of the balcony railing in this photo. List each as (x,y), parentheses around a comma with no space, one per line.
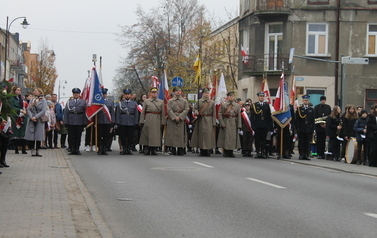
(272,7)
(18,66)
(256,64)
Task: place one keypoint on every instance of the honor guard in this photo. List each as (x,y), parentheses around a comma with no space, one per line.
(204,132)
(230,123)
(75,119)
(262,124)
(105,119)
(305,127)
(321,112)
(126,118)
(152,118)
(176,133)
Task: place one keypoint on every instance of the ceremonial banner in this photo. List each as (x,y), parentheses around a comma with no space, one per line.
(282,114)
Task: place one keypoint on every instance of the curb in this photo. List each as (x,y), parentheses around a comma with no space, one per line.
(97,218)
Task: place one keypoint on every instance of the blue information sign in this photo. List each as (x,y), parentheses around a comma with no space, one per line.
(177,82)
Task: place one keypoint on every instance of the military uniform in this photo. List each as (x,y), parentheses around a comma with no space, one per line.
(230,123)
(126,117)
(152,118)
(204,134)
(305,127)
(321,111)
(176,133)
(262,123)
(104,125)
(75,119)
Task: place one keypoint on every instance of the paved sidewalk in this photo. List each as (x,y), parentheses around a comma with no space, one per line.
(44,197)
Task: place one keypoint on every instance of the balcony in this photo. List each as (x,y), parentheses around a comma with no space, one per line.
(272,63)
(18,67)
(271,7)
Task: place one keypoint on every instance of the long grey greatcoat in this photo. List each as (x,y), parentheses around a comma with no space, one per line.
(153,117)
(35,131)
(230,116)
(204,136)
(176,133)
(74,112)
(101,116)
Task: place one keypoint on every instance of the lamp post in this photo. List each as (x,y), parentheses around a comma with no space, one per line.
(59,86)
(24,24)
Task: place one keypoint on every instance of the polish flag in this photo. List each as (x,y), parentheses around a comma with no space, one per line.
(221,94)
(245,55)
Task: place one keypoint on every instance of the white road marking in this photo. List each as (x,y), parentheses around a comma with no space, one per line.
(205,165)
(266,183)
(374,215)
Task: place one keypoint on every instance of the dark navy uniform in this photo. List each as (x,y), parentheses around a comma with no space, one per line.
(261,121)
(75,119)
(321,111)
(104,124)
(126,117)
(305,128)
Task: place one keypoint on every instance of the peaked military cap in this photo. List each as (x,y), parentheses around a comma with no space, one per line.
(153,89)
(127,91)
(76,90)
(230,94)
(104,90)
(305,96)
(260,93)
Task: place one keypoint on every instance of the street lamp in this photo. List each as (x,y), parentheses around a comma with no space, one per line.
(59,86)
(24,24)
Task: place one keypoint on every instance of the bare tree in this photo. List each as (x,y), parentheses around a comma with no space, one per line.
(43,71)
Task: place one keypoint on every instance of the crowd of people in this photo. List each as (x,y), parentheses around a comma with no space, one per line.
(178,127)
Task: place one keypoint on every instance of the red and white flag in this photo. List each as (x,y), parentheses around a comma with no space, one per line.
(221,94)
(245,54)
(139,108)
(155,81)
(246,120)
(266,91)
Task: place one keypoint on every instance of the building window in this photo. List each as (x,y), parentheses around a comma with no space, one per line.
(315,94)
(371,40)
(244,94)
(316,43)
(370,98)
(318,1)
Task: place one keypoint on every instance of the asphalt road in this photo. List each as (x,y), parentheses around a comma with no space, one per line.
(190,196)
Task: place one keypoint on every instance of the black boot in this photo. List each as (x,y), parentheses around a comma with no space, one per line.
(37,153)
(99,151)
(153,151)
(104,150)
(180,151)
(124,150)
(147,150)
(23,146)
(3,163)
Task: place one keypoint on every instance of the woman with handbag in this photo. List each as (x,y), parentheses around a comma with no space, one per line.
(18,121)
(35,128)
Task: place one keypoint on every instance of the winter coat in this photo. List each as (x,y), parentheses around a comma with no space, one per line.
(35,131)
(359,127)
(230,117)
(176,133)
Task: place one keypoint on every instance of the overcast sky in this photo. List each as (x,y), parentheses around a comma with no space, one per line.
(77,29)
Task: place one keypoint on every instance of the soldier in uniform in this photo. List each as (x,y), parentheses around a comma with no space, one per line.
(321,111)
(75,119)
(262,122)
(204,132)
(305,127)
(152,115)
(126,117)
(230,123)
(176,133)
(104,124)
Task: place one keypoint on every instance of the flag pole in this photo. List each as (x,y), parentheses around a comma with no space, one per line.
(281,128)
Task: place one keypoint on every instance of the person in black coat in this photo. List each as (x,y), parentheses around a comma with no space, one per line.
(372,136)
(261,121)
(305,127)
(321,111)
(360,130)
(333,129)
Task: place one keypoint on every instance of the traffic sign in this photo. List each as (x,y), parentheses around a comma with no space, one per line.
(177,82)
(351,60)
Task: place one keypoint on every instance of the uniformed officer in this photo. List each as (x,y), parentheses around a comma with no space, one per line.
(176,133)
(321,111)
(152,118)
(230,123)
(104,124)
(126,118)
(75,119)
(262,124)
(305,127)
(204,132)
